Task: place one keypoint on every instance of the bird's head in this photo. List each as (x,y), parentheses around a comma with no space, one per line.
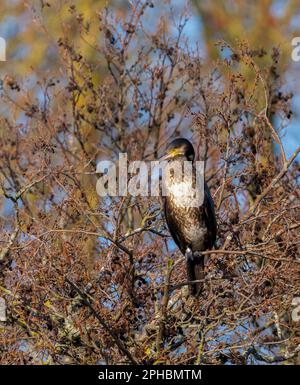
(179,148)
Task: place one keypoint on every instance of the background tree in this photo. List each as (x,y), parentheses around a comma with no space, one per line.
(265,26)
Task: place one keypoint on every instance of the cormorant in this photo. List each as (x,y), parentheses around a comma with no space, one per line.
(192,228)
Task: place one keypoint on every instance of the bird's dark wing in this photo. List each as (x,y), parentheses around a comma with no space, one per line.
(173,226)
(195,267)
(209,217)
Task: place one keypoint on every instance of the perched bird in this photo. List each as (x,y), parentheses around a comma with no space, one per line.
(193,228)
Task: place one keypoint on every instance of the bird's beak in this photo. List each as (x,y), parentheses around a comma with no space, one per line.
(166,157)
(171,154)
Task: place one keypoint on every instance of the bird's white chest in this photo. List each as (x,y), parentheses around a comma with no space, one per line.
(195,234)
(183,200)
(183,195)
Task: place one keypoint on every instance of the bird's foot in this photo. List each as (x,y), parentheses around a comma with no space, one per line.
(190,255)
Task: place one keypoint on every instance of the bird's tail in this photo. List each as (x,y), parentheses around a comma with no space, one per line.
(195,271)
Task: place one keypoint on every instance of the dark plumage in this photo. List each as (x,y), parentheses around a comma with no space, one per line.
(192,228)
